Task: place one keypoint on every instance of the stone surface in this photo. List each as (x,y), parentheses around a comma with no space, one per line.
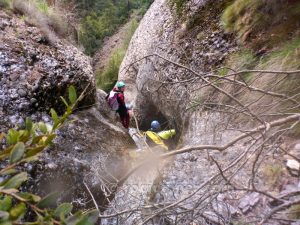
(293,164)
(35,74)
(248,202)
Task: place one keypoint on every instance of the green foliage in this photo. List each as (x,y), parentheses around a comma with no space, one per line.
(42,6)
(179,6)
(235,17)
(294,212)
(133,26)
(22,146)
(109,75)
(272,174)
(242,59)
(261,23)
(103,17)
(286,57)
(222,72)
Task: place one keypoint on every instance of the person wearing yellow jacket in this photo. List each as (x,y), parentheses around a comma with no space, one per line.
(155,137)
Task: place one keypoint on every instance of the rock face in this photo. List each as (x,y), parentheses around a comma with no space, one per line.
(161,32)
(86,151)
(34,74)
(165,52)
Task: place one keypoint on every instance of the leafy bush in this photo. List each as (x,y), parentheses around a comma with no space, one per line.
(109,75)
(23,146)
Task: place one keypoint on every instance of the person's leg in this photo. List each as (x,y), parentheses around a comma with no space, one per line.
(124,120)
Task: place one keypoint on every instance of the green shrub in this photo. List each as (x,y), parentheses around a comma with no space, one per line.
(108,77)
(23,146)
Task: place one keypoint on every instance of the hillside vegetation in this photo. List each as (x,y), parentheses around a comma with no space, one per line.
(101,18)
(269,33)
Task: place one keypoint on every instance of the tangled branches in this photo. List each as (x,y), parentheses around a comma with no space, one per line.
(242,179)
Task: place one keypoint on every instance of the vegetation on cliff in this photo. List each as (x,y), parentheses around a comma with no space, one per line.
(101,18)
(22,146)
(107,77)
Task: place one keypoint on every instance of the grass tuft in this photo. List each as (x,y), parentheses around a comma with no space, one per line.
(294,212)
(272,174)
(107,78)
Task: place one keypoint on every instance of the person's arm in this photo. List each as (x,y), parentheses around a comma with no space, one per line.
(167,134)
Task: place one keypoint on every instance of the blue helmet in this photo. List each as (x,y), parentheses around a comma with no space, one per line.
(155,125)
(120,84)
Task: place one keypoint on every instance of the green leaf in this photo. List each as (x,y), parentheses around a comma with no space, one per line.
(54,115)
(17,211)
(24,136)
(17,152)
(6,223)
(42,127)
(6,152)
(9,172)
(28,124)
(63,210)
(49,201)
(2,135)
(74,219)
(29,197)
(16,181)
(33,151)
(49,139)
(89,218)
(12,137)
(72,94)
(69,110)
(30,159)
(36,139)
(5,203)
(64,101)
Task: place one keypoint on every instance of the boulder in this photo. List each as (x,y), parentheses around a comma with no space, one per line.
(34,73)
